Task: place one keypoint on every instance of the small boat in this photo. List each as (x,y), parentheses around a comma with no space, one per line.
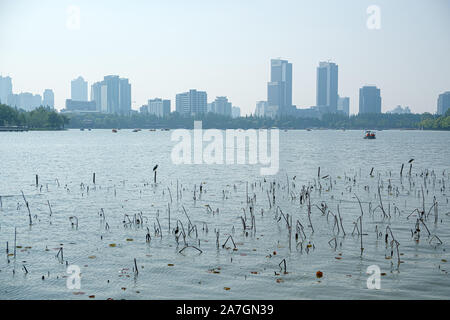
(152,130)
(136,130)
(81,129)
(308,129)
(369,135)
(114,130)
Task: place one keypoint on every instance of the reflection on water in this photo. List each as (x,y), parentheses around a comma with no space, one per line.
(103,227)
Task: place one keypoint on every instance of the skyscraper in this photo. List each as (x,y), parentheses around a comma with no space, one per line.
(191,102)
(49,98)
(25,100)
(344,105)
(5,89)
(124,96)
(279,89)
(369,100)
(157,107)
(327,86)
(235,112)
(261,107)
(443,103)
(79,91)
(112,95)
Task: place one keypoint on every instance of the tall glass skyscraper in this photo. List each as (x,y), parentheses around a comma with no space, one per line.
(49,98)
(327,86)
(279,89)
(443,103)
(112,95)
(5,89)
(369,100)
(79,89)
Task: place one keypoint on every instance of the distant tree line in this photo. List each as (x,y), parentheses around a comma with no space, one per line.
(211,120)
(436,122)
(41,118)
(47,118)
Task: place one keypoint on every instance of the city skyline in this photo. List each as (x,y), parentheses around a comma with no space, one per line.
(303,33)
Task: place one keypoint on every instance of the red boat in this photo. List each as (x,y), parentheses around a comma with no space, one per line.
(369,135)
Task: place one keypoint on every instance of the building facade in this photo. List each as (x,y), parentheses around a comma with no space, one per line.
(327,87)
(80,106)
(48,98)
(344,105)
(157,107)
(220,106)
(5,89)
(25,100)
(112,95)
(79,89)
(235,112)
(369,100)
(191,102)
(261,108)
(443,103)
(279,89)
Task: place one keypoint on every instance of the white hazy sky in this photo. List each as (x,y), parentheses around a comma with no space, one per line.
(225,47)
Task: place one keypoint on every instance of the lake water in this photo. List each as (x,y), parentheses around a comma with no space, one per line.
(106,241)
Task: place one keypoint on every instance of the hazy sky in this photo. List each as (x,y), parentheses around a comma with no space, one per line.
(224,47)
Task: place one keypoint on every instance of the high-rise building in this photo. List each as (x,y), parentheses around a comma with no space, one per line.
(25,100)
(49,98)
(112,92)
(124,96)
(344,105)
(261,107)
(369,100)
(112,95)
(235,112)
(79,89)
(157,107)
(443,103)
(191,102)
(327,87)
(5,89)
(279,89)
(220,106)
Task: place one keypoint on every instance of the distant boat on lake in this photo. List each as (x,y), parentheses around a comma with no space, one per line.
(369,135)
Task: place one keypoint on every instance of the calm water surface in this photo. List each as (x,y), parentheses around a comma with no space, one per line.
(105,245)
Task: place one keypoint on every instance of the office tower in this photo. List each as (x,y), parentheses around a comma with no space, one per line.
(261,107)
(344,105)
(369,100)
(191,102)
(49,98)
(25,100)
(124,96)
(5,89)
(235,112)
(279,89)
(79,89)
(157,107)
(327,86)
(443,103)
(112,95)
(221,106)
